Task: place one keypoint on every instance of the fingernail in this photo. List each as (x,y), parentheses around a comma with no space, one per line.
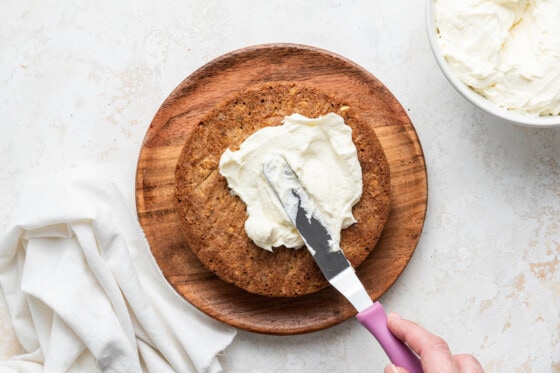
(395,315)
(394,368)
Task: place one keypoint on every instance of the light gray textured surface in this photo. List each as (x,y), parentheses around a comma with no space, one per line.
(81,83)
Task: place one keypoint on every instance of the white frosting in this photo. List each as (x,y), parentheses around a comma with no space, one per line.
(289,190)
(321,153)
(506,50)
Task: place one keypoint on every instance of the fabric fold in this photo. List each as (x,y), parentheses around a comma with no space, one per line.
(84,291)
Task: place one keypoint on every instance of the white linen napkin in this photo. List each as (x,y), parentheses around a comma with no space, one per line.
(84,291)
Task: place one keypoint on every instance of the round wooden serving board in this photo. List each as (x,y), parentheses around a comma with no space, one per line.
(181,112)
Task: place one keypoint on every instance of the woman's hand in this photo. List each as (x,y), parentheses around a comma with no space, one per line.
(434,352)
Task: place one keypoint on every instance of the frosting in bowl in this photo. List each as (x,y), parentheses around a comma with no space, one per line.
(506,50)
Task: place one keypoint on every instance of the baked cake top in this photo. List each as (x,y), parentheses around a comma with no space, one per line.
(213,219)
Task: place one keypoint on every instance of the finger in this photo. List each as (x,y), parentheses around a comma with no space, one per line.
(415,335)
(392,368)
(433,351)
(468,363)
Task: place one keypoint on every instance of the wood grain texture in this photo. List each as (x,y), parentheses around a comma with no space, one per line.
(183,109)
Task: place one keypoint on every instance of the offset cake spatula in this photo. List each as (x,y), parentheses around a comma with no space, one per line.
(331,260)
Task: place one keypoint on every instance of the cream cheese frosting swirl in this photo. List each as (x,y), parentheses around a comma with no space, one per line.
(506,50)
(322,154)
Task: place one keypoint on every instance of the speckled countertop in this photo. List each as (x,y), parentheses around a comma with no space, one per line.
(81,81)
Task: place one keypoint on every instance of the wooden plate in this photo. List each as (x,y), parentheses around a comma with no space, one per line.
(182,110)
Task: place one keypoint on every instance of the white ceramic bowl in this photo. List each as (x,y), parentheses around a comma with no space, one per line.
(475,98)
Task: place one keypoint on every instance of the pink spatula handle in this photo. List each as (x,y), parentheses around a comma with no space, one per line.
(374,319)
